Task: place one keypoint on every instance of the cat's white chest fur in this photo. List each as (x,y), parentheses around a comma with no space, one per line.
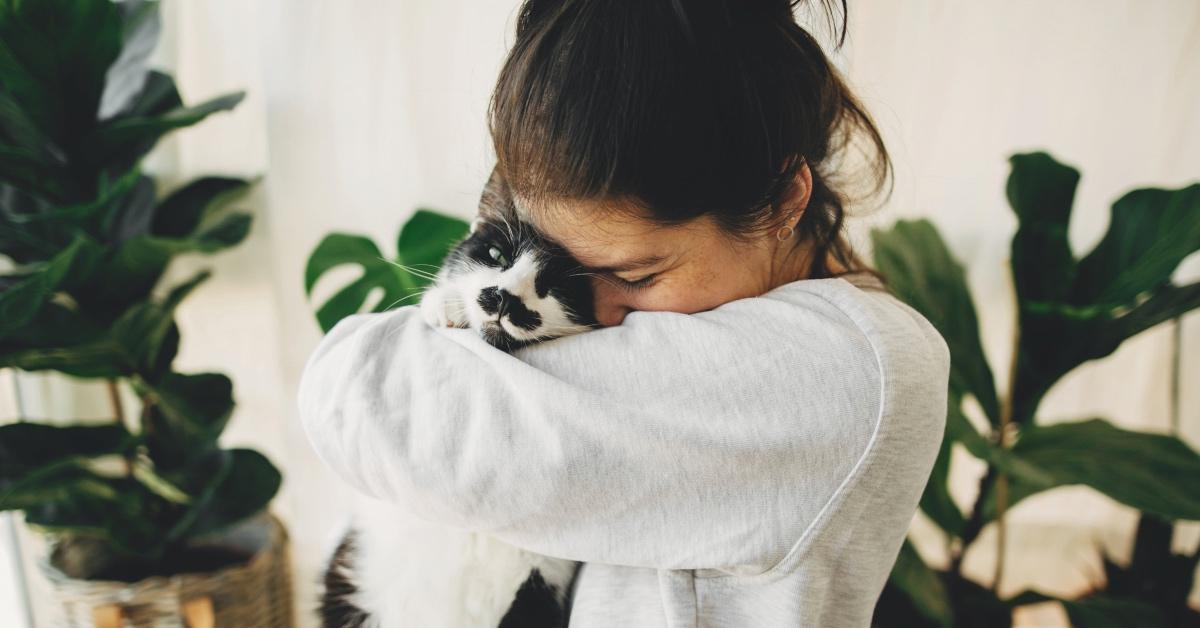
(411,572)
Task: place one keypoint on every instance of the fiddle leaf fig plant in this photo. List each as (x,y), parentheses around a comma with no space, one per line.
(88,236)
(1070,310)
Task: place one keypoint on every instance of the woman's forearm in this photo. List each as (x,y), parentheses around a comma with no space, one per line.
(671,441)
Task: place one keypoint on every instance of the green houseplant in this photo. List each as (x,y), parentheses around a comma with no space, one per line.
(1070,310)
(89,236)
(423,242)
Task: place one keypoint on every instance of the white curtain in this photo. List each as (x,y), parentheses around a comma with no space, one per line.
(361,111)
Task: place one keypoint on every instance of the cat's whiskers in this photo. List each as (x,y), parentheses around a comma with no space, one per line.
(418,293)
(423,274)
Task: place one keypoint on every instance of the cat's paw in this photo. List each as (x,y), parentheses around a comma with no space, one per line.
(441,308)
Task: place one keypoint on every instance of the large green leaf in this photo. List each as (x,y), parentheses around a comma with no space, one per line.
(126,77)
(1154,473)
(54,55)
(142,339)
(21,299)
(135,268)
(196,204)
(1070,311)
(922,272)
(1151,231)
(118,510)
(131,216)
(186,416)
(426,239)
(26,447)
(423,243)
(125,138)
(43,471)
(23,142)
(244,488)
(142,330)
(1041,192)
(95,356)
(37,226)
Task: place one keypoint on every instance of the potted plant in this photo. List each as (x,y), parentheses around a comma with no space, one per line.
(1070,310)
(146,517)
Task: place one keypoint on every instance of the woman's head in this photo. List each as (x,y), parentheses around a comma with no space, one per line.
(694,131)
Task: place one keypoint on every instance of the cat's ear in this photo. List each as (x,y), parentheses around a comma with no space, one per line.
(496,202)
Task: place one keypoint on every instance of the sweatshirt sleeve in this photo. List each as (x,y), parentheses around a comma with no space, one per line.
(672,441)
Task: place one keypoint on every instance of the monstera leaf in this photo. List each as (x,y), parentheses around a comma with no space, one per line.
(1073,311)
(423,243)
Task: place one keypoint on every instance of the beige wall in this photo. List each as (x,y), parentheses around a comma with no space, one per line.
(361,111)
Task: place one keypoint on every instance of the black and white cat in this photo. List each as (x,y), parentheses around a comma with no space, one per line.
(392,570)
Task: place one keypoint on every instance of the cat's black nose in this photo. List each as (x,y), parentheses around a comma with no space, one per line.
(500,303)
(489,299)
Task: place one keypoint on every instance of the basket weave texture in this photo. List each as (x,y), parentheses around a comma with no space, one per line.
(255,594)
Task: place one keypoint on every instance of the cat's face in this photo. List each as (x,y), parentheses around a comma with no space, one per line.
(508,282)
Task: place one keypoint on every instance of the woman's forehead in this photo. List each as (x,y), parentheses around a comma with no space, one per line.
(602,234)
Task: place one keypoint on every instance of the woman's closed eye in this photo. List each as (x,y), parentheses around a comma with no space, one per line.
(636,284)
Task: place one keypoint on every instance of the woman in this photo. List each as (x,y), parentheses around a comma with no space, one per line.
(745,440)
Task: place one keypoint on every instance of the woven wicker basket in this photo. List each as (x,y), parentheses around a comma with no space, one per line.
(255,594)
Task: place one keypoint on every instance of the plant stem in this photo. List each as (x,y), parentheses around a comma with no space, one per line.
(114,396)
(1176,343)
(974,523)
(1006,415)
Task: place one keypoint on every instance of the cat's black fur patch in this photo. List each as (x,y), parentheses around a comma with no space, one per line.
(536,604)
(336,610)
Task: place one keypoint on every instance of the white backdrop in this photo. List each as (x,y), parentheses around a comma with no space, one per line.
(359,112)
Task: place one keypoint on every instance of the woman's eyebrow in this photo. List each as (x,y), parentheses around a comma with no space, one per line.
(648,260)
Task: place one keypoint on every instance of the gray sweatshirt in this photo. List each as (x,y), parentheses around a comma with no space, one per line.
(754,465)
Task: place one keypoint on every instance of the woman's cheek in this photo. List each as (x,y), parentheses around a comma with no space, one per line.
(673,297)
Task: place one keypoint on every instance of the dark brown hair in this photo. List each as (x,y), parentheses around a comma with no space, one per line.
(683,108)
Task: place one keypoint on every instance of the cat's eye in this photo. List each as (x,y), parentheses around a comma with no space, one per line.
(498,255)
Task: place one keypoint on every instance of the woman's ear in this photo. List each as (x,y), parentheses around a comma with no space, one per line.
(801,194)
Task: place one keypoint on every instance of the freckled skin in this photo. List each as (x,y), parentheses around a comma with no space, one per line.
(703,267)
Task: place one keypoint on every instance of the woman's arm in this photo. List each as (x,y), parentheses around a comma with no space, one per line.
(671,441)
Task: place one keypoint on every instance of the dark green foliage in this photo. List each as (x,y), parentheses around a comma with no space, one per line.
(1070,311)
(91,237)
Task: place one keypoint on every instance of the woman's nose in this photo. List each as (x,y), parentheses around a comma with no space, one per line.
(611,306)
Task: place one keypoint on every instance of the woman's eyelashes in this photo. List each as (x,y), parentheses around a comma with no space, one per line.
(636,284)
